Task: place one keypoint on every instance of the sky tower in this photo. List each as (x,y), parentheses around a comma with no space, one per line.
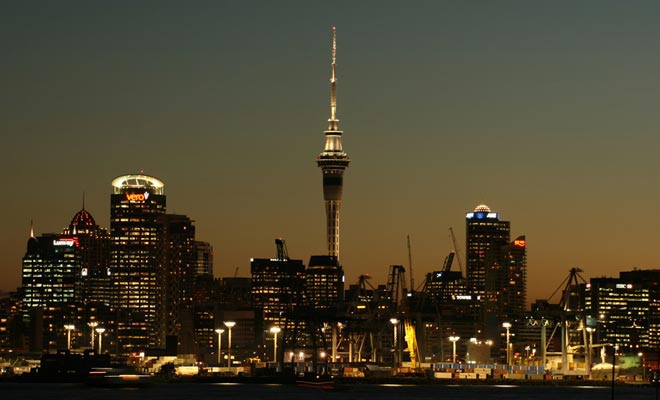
(333,161)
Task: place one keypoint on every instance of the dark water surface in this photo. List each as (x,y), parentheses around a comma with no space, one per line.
(208,391)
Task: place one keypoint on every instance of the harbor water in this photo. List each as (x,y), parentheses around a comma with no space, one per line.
(219,391)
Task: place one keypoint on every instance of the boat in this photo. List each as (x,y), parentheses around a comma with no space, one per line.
(316,381)
(117,377)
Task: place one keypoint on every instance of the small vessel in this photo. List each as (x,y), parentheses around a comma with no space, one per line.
(117,377)
(315,381)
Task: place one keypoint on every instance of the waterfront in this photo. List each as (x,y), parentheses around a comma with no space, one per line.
(204,391)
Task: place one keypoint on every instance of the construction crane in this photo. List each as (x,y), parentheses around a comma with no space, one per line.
(282,253)
(446,266)
(412,278)
(458,256)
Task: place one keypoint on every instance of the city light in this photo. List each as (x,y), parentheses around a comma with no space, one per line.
(275,330)
(453,340)
(229,325)
(68,328)
(219,331)
(507,326)
(92,325)
(100,332)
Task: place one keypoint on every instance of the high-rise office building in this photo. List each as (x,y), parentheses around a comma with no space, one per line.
(484,232)
(324,282)
(50,289)
(51,272)
(333,161)
(506,279)
(276,289)
(136,204)
(176,272)
(619,311)
(203,259)
(94,251)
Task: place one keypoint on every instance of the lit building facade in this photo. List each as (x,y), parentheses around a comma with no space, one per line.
(619,310)
(506,279)
(484,232)
(203,259)
(51,292)
(276,288)
(94,252)
(445,286)
(137,202)
(51,272)
(324,282)
(176,272)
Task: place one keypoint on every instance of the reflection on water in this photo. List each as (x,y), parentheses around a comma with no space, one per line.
(215,391)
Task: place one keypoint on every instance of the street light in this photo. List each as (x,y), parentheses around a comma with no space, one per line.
(394,323)
(219,332)
(229,324)
(453,340)
(92,325)
(507,326)
(275,330)
(100,332)
(68,328)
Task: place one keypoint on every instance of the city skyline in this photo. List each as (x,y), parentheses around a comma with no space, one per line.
(546,113)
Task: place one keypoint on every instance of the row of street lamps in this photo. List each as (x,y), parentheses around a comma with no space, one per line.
(220,331)
(94,327)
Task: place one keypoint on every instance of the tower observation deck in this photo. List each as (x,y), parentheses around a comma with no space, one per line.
(333,161)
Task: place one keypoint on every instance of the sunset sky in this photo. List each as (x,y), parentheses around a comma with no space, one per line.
(545,111)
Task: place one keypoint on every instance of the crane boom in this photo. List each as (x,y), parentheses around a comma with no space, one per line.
(412,279)
(458,256)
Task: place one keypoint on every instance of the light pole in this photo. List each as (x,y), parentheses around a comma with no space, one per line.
(453,340)
(92,325)
(100,332)
(507,326)
(229,324)
(219,332)
(68,328)
(394,323)
(275,330)
(590,347)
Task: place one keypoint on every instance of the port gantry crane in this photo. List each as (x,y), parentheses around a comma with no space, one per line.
(572,321)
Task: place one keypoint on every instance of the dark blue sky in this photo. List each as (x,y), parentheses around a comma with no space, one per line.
(545,111)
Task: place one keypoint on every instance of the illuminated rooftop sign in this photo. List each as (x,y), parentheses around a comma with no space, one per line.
(482,215)
(70,242)
(137,196)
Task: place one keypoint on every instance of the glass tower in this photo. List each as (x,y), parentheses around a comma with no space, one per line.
(136,203)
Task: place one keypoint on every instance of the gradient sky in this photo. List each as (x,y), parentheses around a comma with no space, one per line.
(545,111)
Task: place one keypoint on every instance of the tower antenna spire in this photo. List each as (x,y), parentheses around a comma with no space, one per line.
(333,122)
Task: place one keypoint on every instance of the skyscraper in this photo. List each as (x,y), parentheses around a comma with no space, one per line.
(176,271)
(51,272)
(51,289)
(333,161)
(506,279)
(324,282)
(484,232)
(136,203)
(94,250)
